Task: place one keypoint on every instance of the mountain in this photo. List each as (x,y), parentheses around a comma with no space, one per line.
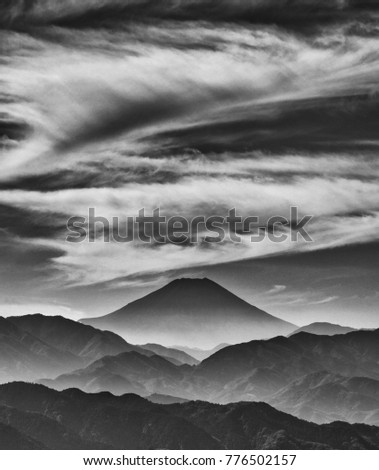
(258,369)
(11,439)
(198,312)
(130,422)
(36,346)
(129,372)
(324,397)
(48,433)
(165,399)
(324,328)
(318,378)
(201,354)
(25,356)
(176,356)
(259,426)
(101,420)
(73,337)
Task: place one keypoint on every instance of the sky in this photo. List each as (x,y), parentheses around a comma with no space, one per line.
(194,107)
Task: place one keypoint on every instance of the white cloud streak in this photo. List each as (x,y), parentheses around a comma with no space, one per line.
(95,97)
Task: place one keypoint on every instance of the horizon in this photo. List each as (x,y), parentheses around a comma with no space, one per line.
(298,329)
(21,312)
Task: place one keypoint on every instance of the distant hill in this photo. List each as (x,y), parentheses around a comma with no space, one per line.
(38,346)
(324,397)
(130,422)
(319,378)
(258,369)
(129,372)
(316,377)
(73,337)
(180,357)
(201,354)
(165,399)
(323,328)
(25,356)
(195,312)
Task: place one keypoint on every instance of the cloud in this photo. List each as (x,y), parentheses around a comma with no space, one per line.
(198,195)
(327,300)
(92,11)
(276,289)
(92,263)
(194,117)
(259,89)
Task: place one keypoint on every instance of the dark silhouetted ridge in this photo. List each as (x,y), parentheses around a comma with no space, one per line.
(128,422)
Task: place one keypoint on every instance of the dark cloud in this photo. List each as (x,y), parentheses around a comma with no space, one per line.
(31,224)
(90,12)
(319,124)
(92,176)
(25,269)
(12,128)
(123,115)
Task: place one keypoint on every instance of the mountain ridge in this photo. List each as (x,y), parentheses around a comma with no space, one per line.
(324,328)
(131,422)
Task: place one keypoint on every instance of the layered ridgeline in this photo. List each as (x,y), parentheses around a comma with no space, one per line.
(321,378)
(196,312)
(36,346)
(36,417)
(201,354)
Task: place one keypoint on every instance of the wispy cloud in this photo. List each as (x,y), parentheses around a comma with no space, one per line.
(194,117)
(326,300)
(276,289)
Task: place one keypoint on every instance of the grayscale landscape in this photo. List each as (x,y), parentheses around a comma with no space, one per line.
(189,220)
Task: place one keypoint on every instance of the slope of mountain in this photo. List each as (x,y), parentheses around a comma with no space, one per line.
(324,328)
(280,360)
(129,372)
(127,422)
(320,378)
(324,397)
(165,399)
(201,354)
(131,422)
(73,337)
(180,357)
(259,426)
(24,356)
(285,372)
(48,432)
(191,311)
(35,346)
(11,439)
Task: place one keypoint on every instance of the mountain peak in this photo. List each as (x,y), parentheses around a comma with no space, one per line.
(193,281)
(198,285)
(324,328)
(191,311)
